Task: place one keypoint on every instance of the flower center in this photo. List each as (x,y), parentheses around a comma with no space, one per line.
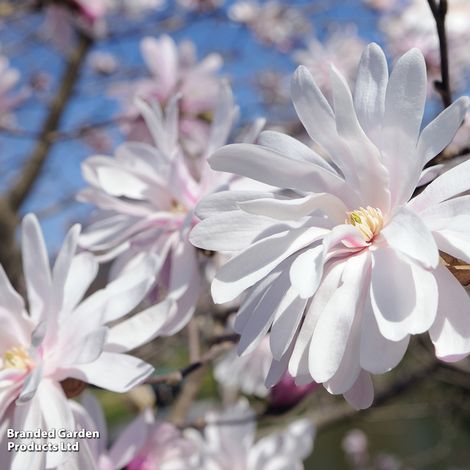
(16,357)
(177,207)
(368,221)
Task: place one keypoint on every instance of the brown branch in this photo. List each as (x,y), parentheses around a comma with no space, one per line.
(32,169)
(439,11)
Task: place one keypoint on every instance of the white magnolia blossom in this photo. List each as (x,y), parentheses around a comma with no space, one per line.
(144,444)
(232,446)
(272,21)
(343,48)
(247,373)
(414,26)
(62,337)
(339,264)
(147,194)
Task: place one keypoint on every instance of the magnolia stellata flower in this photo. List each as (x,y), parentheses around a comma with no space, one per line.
(148,194)
(63,338)
(174,69)
(144,444)
(340,265)
(232,445)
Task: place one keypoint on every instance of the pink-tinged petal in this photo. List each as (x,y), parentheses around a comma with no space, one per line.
(82,272)
(377,353)
(333,328)
(35,266)
(94,413)
(298,364)
(270,167)
(361,395)
(217,233)
(57,414)
(112,371)
(404,106)
(292,148)
(342,236)
(258,260)
(369,94)
(372,177)
(132,439)
(306,271)
(139,329)
(454,243)
(296,208)
(286,321)
(450,333)
(10,300)
(408,234)
(449,184)
(263,313)
(403,295)
(438,134)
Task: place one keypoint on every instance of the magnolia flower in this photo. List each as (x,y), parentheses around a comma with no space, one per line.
(174,70)
(414,26)
(343,49)
(144,444)
(339,264)
(271,21)
(148,194)
(64,338)
(232,446)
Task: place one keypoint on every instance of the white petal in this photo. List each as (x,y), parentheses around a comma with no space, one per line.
(403,295)
(9,298)
(407,233)
(378,354)
(265,165)
(112,371)
(306,271)
(139,329)
(453,214)
(449,184)
(361,395)
(454,243)
(333,328)
(450,333)
(371,84)
(438,134)
(35,265)
(258,260)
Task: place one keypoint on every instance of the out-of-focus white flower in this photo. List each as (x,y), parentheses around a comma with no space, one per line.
(133,8)
(103,62)
(9,78)
(247,373)
(64,337)
(383,5)
(343,48)
(200,5)
(174,70)
(232,446)
(348,268)
(148,194)
(145,444)
(414,26)
(272,22)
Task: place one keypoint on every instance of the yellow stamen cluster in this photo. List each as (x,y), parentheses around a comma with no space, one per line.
(368,221)
(177,207)
(17,358)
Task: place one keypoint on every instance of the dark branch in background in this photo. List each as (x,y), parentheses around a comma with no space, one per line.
(25,182)
(11,202)
(439,11)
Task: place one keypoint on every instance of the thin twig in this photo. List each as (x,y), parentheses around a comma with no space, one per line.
(439,11)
